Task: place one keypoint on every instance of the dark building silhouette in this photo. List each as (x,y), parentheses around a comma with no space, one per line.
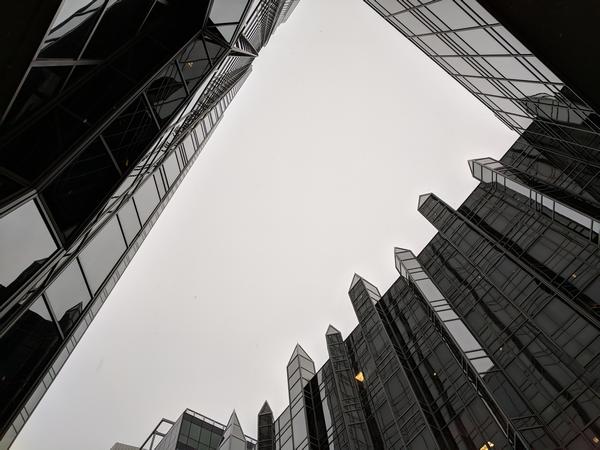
(104,106)
(490,337)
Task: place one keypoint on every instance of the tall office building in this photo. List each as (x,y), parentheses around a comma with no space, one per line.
(523,61)
(534,67)
(490,337)
(459,353)
(104,106)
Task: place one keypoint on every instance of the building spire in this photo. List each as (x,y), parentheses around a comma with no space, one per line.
(299,351)
(266,409)
(332,330)
(233,438)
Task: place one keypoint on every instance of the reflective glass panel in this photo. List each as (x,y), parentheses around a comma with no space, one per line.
(129,221)
(188,145)
(102,253)
(25,348)
(146,199)
(25,243)
(171,168)
(226,11)
(462,335)
(68,296)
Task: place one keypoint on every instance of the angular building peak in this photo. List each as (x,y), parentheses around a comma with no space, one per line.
(401,255)
(298,350)
(371,288)
(266,409)
(423,198)
(233,438)
(355,279)
(332,330)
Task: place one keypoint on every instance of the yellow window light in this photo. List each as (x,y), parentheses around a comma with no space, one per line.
(360,376)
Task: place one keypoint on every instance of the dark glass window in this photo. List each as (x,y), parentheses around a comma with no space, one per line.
(100,256)
(68,296)
(71,28)
(25,243)
(70,199)
(25,348)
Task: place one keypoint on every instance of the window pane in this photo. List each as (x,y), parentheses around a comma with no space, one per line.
(100,255)
(68,296)
(25,348)
(430,292)
(227,11)
(462,335)
(171,168)
(129,221)
(146,199)
(452,15)
(189,147)
(480,41)
(25,243)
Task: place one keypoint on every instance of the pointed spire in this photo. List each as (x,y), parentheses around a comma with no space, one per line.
(355,279)
(422,199)
(332,330)
(374,293)
(233,438)
(298,350)
(266,409)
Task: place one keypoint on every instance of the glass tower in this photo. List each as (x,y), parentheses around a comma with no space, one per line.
(104,108)
(193,431)
(478,50)
(490,337)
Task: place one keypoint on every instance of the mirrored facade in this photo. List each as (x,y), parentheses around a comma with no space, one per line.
(481,52)
(97,132)
(193,431)
(490,337)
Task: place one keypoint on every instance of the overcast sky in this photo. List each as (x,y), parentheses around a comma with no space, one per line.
(313,175)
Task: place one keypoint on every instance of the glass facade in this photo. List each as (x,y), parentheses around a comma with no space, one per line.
(193,431)
(490,337)
(115,120)
(478,51)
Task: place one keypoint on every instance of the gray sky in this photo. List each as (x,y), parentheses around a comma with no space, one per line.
(313,175)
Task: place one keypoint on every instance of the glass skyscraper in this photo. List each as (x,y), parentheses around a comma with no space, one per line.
(490,337)
(104,107)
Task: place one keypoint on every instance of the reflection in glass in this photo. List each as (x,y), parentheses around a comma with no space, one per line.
(25,349)
(73,19)
(68,296)
(171,168)
(146,199)
(102,253)
(227,11)
(129,221)
(25,243)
